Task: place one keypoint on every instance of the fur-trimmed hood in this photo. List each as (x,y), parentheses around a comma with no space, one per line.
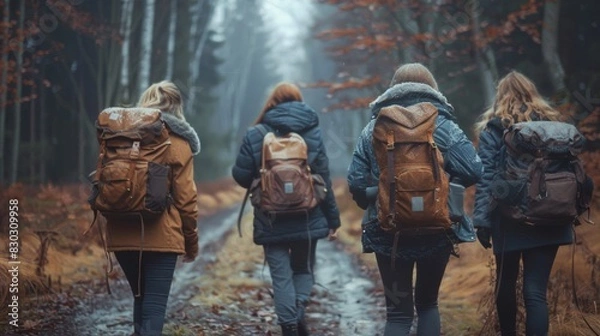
(184,130)
(407,94)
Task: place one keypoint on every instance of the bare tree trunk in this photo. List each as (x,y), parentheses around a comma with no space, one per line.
(195,63)
(171,42)
(32,143)
(17,119)
(243,81)
(43,118)
(550,44)
(4,84)
(484,57)
(81,115)
(146,49)
(126,18)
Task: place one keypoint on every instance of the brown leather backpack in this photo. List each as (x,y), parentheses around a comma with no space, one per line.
(413,187)
(286,185)
(131,178)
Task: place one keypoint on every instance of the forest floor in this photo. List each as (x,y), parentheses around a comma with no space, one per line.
(226,290)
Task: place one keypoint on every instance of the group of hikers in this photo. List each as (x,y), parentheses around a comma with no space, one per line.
(408,172)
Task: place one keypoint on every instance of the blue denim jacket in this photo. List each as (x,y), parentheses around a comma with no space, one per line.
(460,161)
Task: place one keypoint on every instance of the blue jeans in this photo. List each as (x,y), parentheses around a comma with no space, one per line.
(157,272)
(398,286)
(291,266)
(537,264)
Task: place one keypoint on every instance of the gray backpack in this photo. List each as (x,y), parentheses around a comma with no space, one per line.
(542,181)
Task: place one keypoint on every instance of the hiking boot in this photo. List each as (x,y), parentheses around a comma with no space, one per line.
(289,330)
(302,328)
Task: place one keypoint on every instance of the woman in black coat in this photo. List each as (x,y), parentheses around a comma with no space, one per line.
(517,100)
(289,243)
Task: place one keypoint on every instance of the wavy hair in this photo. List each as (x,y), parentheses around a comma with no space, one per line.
(164,96)
(517,100)
(282,93)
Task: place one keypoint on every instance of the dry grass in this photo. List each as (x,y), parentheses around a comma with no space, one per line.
(63,213)
(466,293)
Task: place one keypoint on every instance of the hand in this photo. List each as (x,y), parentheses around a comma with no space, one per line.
(332,235)
(189,258)
(484,237)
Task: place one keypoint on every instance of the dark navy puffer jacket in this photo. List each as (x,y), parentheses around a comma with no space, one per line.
(507,236)
(460,161)
(284,118)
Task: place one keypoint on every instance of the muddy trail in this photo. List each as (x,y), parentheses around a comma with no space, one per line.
(343,302)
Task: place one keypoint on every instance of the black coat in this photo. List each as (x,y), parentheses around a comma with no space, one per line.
(507,236)
(284,118)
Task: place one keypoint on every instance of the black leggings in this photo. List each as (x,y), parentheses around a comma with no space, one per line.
(537,264)
(157,273)
(399,293)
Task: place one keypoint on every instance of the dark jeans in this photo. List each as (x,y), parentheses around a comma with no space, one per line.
(537,264)
(291,266)
(157,272)
(398,286)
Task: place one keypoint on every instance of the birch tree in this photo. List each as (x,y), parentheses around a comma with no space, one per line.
(3,83)
(171,41)
(17,114)
(127,13)
(146,47)
(550,44)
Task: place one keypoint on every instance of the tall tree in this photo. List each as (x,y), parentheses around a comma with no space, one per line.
(126,18)
(146,48)
(171,40)
(196,56)
(3,83)
(550,44)
(484,56)
(17,116)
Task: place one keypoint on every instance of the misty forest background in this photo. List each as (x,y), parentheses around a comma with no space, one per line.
(63,61)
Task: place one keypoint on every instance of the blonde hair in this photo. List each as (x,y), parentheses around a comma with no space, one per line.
(164,96)
(517,100)
(414,72)
(282,93)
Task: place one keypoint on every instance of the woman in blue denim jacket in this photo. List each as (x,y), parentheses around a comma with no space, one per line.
(412,84)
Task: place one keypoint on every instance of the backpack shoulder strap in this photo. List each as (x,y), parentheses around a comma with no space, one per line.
(262,129)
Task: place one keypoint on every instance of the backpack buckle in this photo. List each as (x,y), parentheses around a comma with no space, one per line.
(390,146)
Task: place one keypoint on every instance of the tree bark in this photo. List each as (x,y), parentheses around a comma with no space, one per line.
(126,12)
(484,56)
(195,62)
(550,44)
(171,41)
(146,49)
(43,121)
(4,84)
(17,117)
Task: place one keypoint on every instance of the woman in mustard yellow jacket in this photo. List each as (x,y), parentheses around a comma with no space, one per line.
(171,234)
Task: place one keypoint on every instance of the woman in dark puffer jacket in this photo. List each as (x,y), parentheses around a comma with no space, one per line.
(289,243)
(412,84)
(517,100)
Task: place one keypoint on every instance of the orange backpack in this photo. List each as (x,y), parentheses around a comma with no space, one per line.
(413,187)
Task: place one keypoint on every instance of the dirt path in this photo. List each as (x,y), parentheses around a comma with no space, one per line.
(342,303)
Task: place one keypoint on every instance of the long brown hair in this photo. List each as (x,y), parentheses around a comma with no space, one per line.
(282,93)
(517,99)
(164,96)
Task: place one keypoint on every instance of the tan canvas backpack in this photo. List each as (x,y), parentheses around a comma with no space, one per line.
(131,177)
(413,187)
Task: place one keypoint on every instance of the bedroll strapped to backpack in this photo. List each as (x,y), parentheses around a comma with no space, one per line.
(542,181)
(131,178)
(413,187)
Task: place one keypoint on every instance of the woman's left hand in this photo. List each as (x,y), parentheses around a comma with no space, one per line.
(332,234)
